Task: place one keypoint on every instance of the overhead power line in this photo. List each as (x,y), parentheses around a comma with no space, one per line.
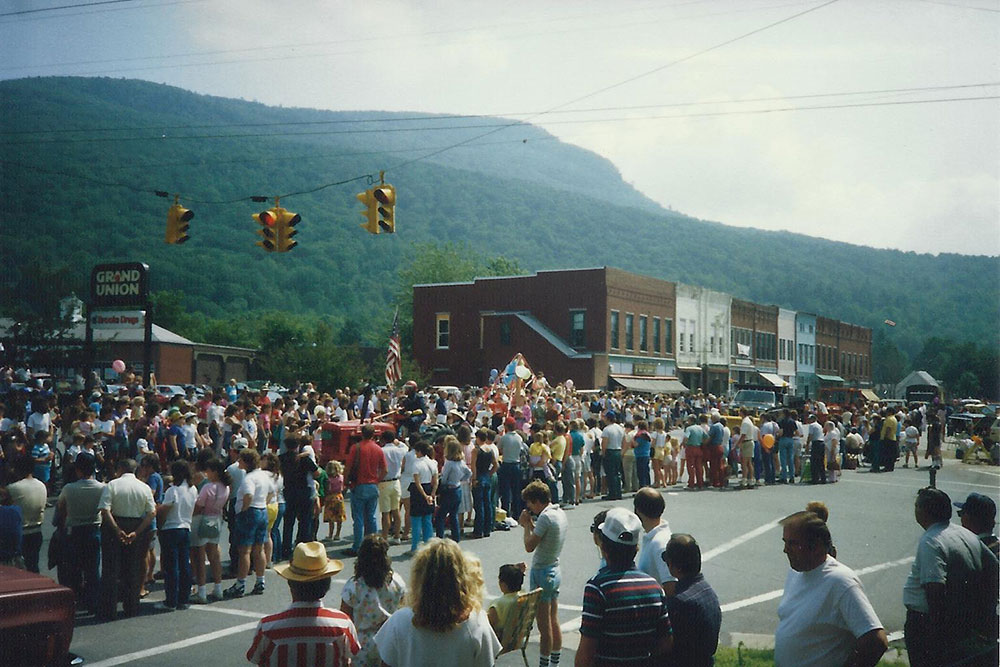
(38,10)
(433,117)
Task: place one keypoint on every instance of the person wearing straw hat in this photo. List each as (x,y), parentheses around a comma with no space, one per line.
(306,632)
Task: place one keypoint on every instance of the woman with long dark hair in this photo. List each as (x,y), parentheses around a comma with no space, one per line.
(371,595)
(176,512)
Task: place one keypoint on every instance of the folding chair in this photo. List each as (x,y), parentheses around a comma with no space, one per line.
(516,631)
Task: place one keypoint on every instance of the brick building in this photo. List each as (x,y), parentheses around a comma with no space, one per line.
(593,326)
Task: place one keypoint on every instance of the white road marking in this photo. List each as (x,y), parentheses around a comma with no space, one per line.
(940,483)
(735,542)
(571,625)
(184,643)
(894,636)
(232,612)
(770,595)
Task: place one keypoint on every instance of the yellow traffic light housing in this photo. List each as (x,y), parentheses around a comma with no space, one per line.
(268,221)
(385,195)
(371,210)
(286,229)
(178,218)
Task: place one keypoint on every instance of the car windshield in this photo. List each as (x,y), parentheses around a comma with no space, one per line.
(754,396)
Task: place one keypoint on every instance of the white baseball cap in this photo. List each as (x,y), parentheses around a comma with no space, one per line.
(621,526)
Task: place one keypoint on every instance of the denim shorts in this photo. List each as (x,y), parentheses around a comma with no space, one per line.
(251,527)
(548,579)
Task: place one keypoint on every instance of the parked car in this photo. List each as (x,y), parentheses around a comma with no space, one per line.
(755,399)
(36,619)
(164,392)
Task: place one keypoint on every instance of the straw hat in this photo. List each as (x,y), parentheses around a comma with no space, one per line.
(309,563)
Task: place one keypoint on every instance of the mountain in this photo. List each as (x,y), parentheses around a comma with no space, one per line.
(82,157)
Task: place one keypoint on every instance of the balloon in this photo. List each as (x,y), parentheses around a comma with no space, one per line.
(522,372)
(118,365)
(493,374)
(569,385)
(768,442)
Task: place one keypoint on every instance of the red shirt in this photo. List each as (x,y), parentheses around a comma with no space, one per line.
(306,633)
(370,462)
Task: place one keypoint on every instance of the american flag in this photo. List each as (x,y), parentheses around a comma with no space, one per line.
(393,362)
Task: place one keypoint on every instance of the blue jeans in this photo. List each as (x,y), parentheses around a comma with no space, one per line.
(510,488)
(569,481)
(276,533)
(364,505)
(767,459)
(786,457)
(642,470)
(176,563)
(449,499)
(481,496)
(421,530)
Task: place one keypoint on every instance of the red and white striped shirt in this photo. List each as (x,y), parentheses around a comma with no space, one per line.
(307,633)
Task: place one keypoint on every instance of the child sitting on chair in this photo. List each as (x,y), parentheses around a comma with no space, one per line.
(511,579)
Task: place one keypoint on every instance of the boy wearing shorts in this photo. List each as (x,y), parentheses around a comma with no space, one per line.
(544,537)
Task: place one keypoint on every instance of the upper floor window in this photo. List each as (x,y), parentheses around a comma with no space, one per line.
(629,331)
(643,345)
(576,330)
(614,329)
(443,330)
(656,334)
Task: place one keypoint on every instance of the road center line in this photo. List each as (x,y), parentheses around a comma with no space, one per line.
(184,643)
(940,483)
(736,541)
(233,612)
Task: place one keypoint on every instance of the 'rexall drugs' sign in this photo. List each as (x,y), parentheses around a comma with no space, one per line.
(125,284)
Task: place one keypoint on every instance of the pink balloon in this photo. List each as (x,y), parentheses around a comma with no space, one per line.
(118,365)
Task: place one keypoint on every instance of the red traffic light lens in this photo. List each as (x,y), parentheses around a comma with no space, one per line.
(268,218)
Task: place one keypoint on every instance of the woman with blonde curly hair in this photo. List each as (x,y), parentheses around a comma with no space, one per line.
(445,624)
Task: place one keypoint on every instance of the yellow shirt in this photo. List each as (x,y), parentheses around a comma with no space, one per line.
(558,447)
(503,606)
(537,453)
(889,427)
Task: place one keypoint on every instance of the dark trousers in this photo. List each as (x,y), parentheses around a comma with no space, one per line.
(767,459)
(817,462)
(83,567)
(481,496)
(509,477)
(31,546)
(448,501)
(930,646)
(297,509)
(596,468)
(642,470)
(875,454)
(890,450)
(122,566)
(176,564)
(614,472)
(234,549)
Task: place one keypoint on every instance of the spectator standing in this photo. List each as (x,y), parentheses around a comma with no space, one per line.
(649,506)
(695,614)
(509,474)
(30,495)
(371,596)
(297,469)
(787,431)
(612,438)
(206,528)
(714,451)
(978,514)
(252,497)
(824,617)
(951,592)
(453,473)
(745,446)
(366,468)
(10,531)
(889,438)
(445,624)
(484,465)
(389,489)
(127,512)
(544,537)
(625,620)
(817,450)
(77,510)
(912,441)
(423,489)
(306,632)
(175,537)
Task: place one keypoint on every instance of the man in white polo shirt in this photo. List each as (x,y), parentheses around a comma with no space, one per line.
(389,489)
(649,505)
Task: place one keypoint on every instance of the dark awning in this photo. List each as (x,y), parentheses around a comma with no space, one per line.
(650,385)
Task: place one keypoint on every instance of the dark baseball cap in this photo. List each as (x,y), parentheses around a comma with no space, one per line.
(980,506)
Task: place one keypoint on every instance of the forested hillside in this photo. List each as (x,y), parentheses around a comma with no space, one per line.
(517,193)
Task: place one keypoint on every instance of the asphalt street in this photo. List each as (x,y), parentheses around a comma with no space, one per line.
(871,519)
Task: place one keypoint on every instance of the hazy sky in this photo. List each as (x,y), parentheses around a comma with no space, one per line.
(917,176)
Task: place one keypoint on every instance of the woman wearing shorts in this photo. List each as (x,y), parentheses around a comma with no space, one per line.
(206,527)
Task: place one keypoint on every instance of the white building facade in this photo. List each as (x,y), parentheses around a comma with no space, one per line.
(786,347)
(703,320)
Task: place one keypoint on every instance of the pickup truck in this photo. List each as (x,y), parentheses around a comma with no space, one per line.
(755,399)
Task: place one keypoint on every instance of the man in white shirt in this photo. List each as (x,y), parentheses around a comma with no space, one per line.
(612,438)
(649,505)
(39,420)
(127,511)
(824,617)
(389,489)
(252,496)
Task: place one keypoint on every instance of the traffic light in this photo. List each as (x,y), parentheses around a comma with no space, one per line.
(385,195)
(178,218)
(268,221)
(286,229)
(371,210)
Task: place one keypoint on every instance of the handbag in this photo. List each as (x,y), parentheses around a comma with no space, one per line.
(209,528)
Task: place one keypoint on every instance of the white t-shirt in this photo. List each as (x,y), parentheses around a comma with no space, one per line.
(182,498)
(394,454)
(912,434)
(103,426)
(190,431)
(259,484)
(471,644)
(748,430)
(821,613)
(615,435)
(425,467)
(38,421)
(651,550)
